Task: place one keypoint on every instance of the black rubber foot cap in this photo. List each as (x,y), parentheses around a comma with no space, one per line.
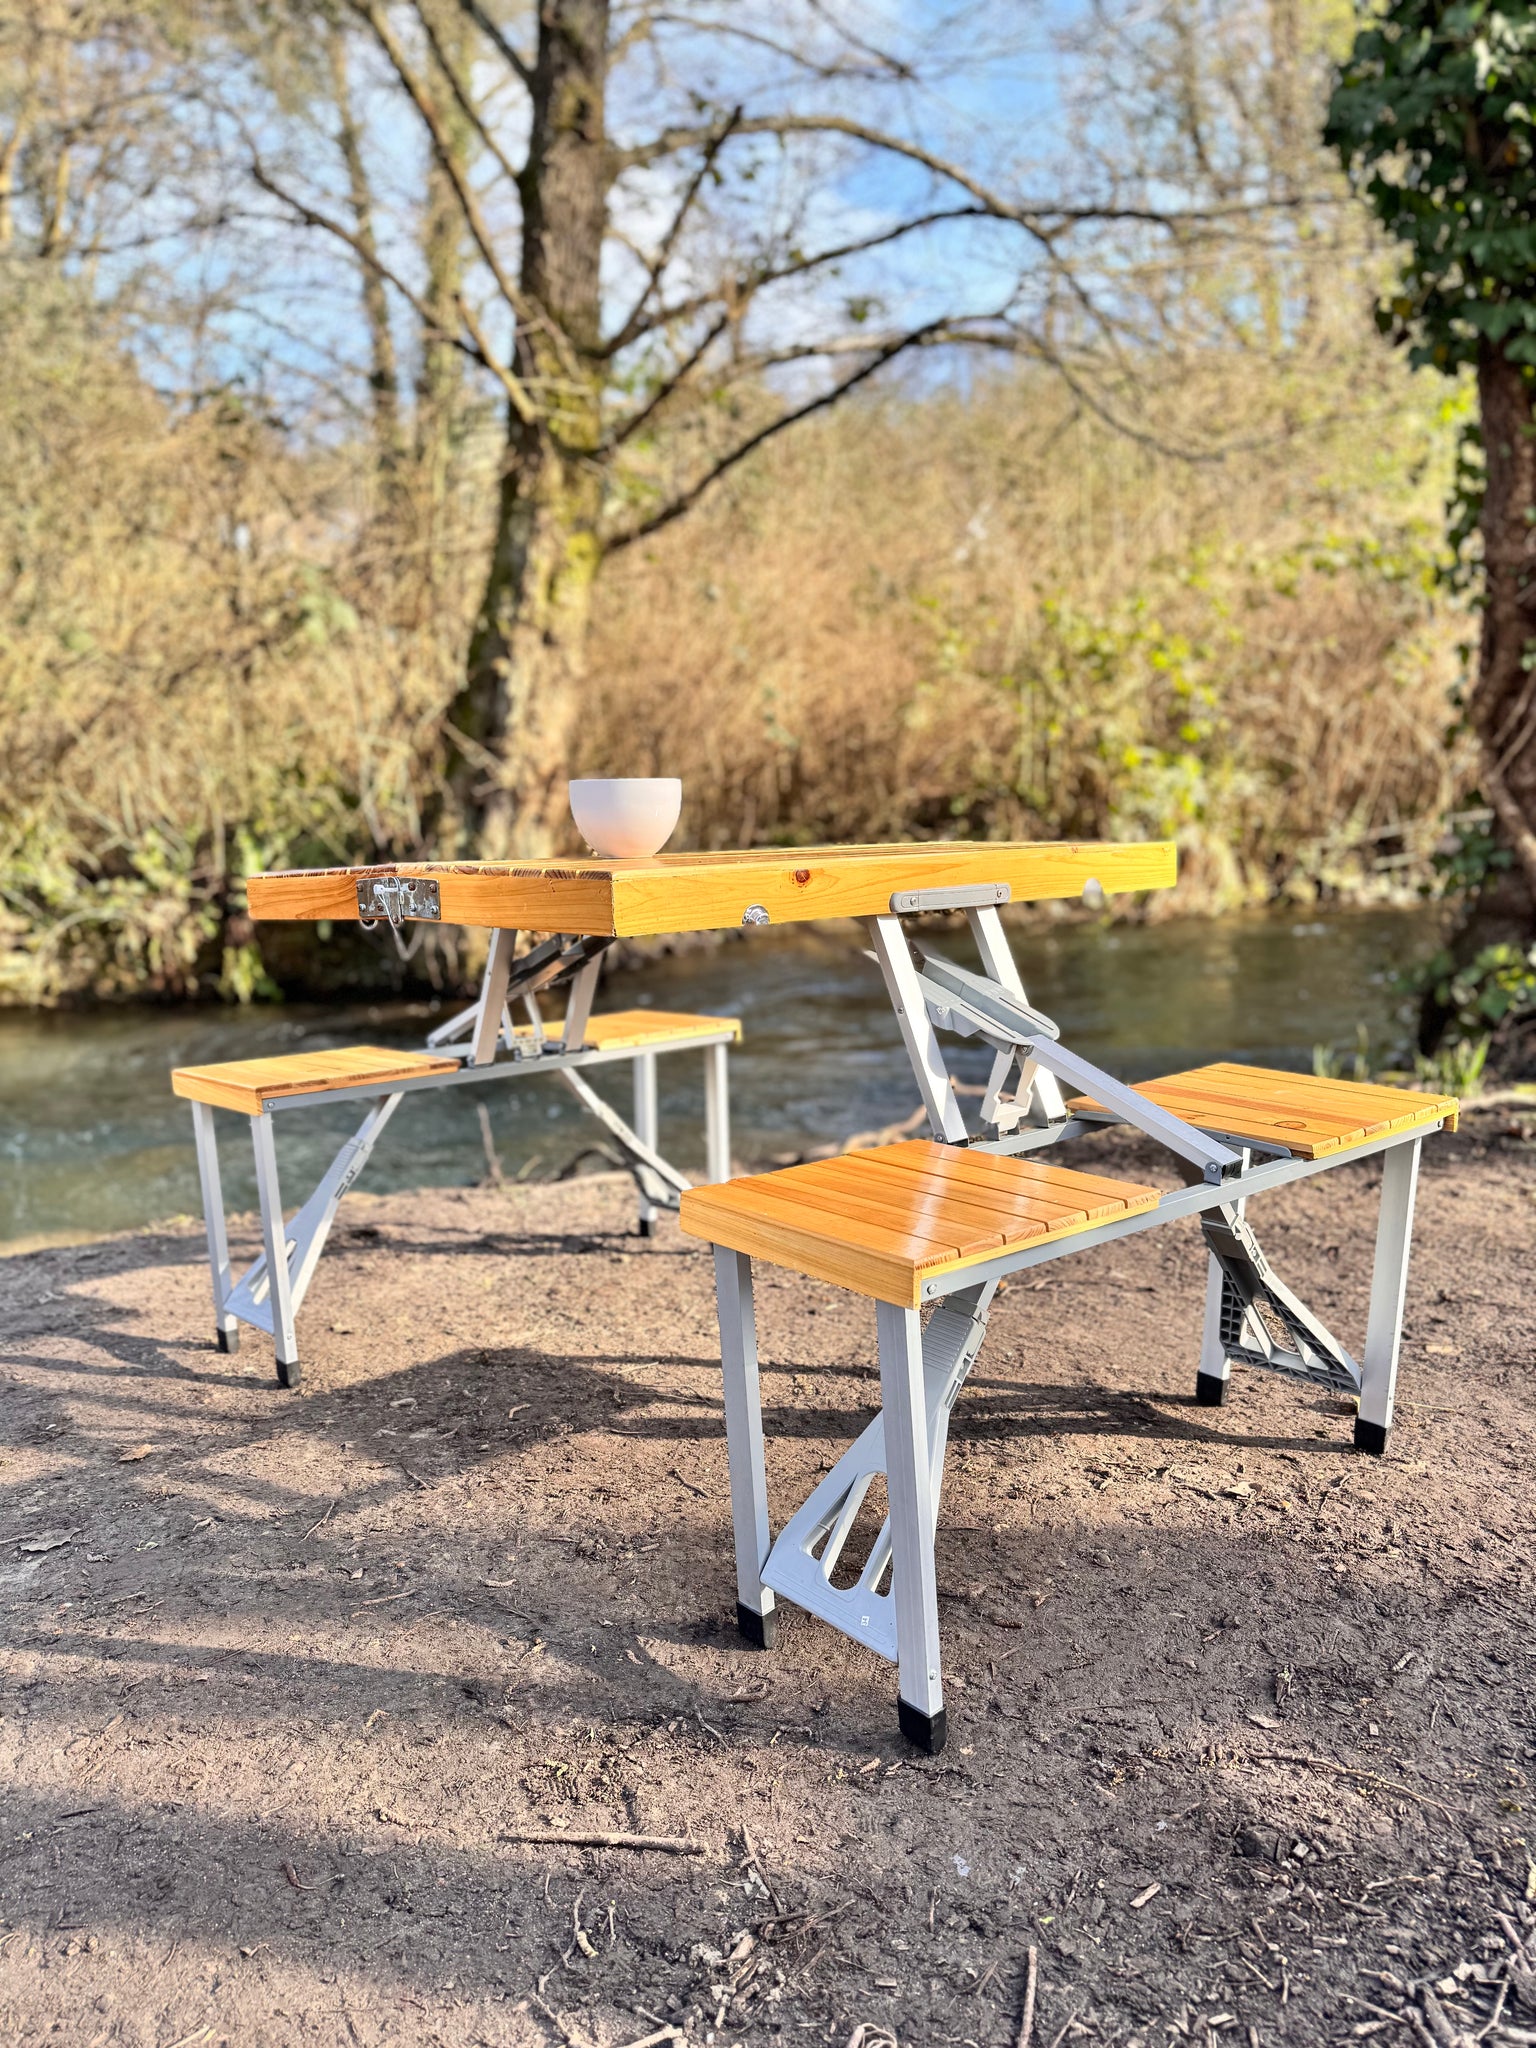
(227,1341)
(1210,1392)
(287,1372)
(1371,1437)
(761,1629)
(926,1732)
(647,1226)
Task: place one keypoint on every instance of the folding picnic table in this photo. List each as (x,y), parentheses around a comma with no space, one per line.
(929,1230)
(575,910)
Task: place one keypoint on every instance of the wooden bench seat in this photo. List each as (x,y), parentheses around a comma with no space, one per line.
(249,1085)
(625,1030)
(1310,1117)
(378,1078)
(881,1222)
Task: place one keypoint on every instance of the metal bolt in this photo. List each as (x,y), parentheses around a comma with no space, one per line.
(754,914)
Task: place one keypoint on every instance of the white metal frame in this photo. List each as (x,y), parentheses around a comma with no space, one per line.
(890,1603)
(269,1293)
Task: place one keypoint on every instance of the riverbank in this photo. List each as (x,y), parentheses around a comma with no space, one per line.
(1241,1723)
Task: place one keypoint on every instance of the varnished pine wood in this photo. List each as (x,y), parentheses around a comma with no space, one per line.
(1311,1117)
(706,892)
(246,1085)
(621,1030)
(883,1221)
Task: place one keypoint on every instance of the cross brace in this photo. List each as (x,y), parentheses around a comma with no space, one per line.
(802,1561)
(1260,1321)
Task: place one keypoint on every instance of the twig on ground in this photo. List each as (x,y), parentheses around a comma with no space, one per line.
(1323,1763)
(322,1521)
(664,1845)
(1027,2017)
(697,1491)
(1062,2032)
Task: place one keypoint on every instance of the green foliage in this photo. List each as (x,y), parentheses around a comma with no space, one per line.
(1492,990)
(1455,1068)
(1333,1063)
(1469,853)
(1432,117)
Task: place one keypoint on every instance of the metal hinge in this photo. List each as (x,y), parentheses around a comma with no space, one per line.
(970,896)
(397,898)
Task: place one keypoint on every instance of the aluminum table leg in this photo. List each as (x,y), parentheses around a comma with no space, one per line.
(646,1127)
(226,1327)
(909,1486)
(274,1233)
(1389,1283)
(744,1443)
(717,1114)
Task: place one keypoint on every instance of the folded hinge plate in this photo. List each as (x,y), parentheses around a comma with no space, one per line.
(398,898)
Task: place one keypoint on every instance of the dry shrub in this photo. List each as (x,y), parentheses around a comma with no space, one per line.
(994,618)
(927,616)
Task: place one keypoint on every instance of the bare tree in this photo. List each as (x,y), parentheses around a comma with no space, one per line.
(689,227)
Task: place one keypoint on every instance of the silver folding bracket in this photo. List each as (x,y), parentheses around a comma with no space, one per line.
(306,1232)
(554,960)
(971,896)
(656,1178)
(1261,1322)
(801,1563)
(397,898)
(1002,1021)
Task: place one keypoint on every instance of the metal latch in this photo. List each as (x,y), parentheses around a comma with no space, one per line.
(971,896)
(397,898)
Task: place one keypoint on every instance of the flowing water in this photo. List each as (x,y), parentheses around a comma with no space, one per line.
(91,1139)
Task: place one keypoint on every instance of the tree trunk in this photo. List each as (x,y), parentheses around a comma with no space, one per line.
(1502,707)
(516,708)
(439,386)
(383,380)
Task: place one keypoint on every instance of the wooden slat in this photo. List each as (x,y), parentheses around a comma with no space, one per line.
(861,1257)
(704,892)
(1312,1117)
(906,1183)
(245,1085)
(913,1200)
(616,1029)
(880,1226)
(1044,1178)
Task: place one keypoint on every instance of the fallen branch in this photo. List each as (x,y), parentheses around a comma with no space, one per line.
(664,1845)
(1027,2017)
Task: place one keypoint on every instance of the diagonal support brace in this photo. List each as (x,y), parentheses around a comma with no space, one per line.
(656,1178)
(1261,1322)
(305,1234)
(802,1561)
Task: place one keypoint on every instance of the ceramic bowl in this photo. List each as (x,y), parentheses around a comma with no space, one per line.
(626,817)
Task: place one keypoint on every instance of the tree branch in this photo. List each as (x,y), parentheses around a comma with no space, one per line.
(686,499)
(748,287)
(313,217)
(517,395)
(630,427)
(389,42)
(467,106)
(629,328)
(488,28)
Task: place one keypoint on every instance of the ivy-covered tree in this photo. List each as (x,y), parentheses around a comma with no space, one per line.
(1434,117)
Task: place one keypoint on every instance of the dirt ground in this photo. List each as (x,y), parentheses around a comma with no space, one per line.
(1241,1723)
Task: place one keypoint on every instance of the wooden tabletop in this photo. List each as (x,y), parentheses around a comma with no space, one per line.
(677,892)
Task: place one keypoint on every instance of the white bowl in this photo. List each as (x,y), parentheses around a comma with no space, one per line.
(627,817)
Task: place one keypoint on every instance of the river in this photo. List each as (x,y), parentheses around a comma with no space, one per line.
(92,1140)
